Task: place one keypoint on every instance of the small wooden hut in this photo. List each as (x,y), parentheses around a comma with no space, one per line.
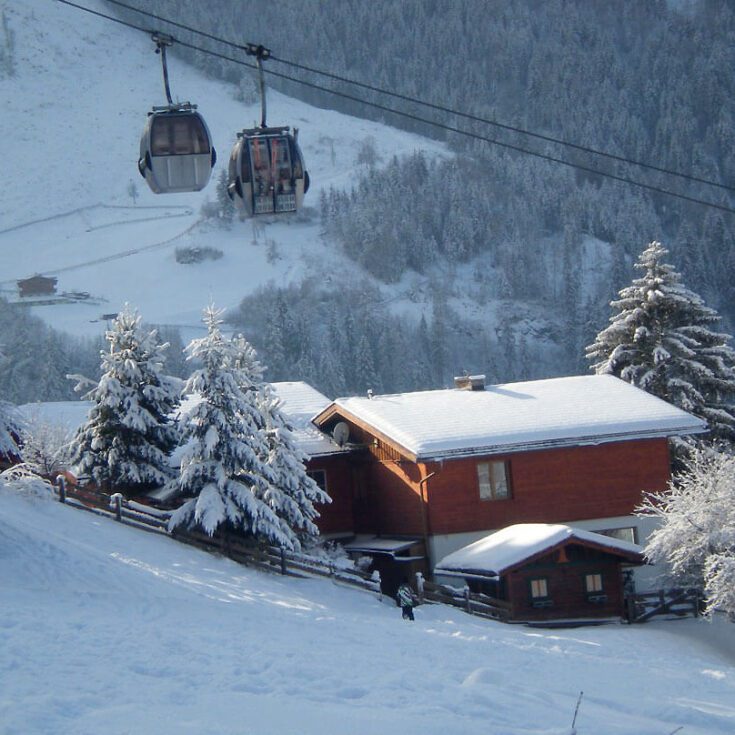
(547,571)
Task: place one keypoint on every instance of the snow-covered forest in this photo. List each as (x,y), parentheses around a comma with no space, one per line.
(646,82)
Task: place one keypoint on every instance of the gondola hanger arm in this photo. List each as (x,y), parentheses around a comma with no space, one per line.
(261,54)
(162,41)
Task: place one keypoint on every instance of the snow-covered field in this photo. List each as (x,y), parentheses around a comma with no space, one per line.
(70,125)
(106,629)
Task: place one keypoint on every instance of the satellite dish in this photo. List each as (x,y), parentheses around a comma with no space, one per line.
(341,433)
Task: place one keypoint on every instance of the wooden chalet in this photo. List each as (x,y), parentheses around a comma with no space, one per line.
(446,467)
(547,572)
(37,286)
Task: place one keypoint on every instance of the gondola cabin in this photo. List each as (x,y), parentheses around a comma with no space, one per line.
(176,152)
(266,173)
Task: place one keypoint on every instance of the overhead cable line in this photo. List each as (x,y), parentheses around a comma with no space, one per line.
(417,118)
(438,108)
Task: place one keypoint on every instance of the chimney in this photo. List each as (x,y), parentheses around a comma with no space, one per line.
(469,382)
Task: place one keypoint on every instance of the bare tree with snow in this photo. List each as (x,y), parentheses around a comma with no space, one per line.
(46,447)
(696,539)
(125,444)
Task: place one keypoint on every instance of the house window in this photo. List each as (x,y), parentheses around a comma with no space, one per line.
(622,534)
(539,589)
(593,584)
(493,480)
(319,477)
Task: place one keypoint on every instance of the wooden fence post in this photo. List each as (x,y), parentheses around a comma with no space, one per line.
(283,560)
(630,608)
(467,599)
(117,500)
(61,484)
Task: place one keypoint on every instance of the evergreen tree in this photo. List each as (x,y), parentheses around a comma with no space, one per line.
(10,432)
(225,204)
(125,444)
(289,491)
(10,428)
(660,340)
(224,467)
(292,494)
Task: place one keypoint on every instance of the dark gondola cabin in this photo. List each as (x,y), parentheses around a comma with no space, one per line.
(176,153)
(266,172)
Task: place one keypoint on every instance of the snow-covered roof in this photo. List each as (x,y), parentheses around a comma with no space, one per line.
(300,403)
(379,544)
(577,410)
(502,550)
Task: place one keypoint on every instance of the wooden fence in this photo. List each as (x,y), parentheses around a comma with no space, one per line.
(472,602)
(267,558)
(678,602)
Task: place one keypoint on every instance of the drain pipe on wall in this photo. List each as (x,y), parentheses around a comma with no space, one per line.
(424,519)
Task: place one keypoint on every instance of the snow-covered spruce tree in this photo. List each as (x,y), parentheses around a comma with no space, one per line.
(10,433)
(696,539)
(289,492)
(125,444)
(223,470)
(292,493)
(660,340)
(10,429)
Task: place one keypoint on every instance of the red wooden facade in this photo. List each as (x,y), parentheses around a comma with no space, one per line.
(579,581)
(335,518)
(395,495)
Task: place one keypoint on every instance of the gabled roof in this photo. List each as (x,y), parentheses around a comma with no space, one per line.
(503,550)
(514,417)
(300,402)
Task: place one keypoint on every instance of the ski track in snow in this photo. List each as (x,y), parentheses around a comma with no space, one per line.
(107,629)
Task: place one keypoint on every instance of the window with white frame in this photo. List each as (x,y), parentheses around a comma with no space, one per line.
(492,478)
(628,533)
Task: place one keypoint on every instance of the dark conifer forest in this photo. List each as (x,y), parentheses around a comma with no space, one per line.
(647,81)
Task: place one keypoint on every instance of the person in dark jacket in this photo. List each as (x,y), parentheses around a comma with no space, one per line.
(406,600)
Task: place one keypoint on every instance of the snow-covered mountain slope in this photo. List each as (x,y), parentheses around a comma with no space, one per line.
(70,125)
(104,628)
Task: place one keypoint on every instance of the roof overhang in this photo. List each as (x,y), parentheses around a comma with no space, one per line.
(335,412)
(383,545)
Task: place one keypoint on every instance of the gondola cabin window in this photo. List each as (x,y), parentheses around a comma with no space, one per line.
(492,478)
(178,135)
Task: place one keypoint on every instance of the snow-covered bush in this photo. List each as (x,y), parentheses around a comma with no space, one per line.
(22,479)
(197,254)
(696,539)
